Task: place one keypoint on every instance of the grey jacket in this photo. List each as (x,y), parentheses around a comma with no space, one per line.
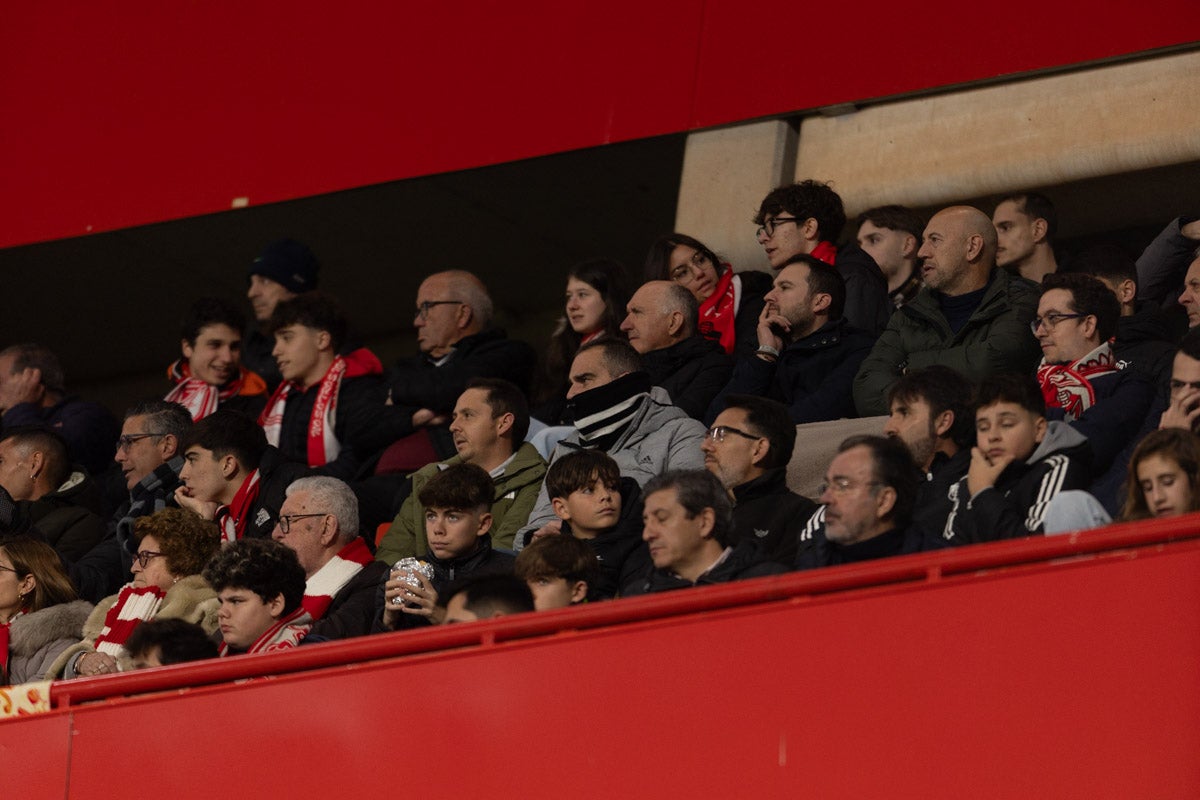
(38,638)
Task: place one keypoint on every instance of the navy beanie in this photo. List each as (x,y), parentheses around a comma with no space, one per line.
(289,263)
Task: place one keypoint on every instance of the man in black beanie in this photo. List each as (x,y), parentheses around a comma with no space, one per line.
(285,269)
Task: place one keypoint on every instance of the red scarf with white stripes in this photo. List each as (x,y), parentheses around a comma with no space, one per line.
(337,572)
(201,398)
(1069,386)
(232,519)
(287,632)
(717,313)
(134,605)
(323,445)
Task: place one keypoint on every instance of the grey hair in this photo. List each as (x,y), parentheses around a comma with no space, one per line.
(696,490)
(677,298)
(473,293)
(333,497)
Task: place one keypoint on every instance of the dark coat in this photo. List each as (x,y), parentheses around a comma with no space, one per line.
(820,552)
(361,425)
(755,285)
(352,610)
(745,561)
(933,503)
(868,306)
(767,512)
(89,429)
(691,372)
(275,474)
(623,556)
(1122,400)
(67,519)
(1146,343)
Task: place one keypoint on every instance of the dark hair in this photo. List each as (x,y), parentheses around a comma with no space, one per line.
(165,418)
(1010,387)
(210,311)
(579,470)
(617,355)
(771,420)
(30,556)
(891,465)
(187,542)
(1088,296)
(697,490)
(1189,345)
(503,397)
(315,310)
(823,279)
(228,432)
(1035,206)
(177,640)
(894,218)
(263,566)
(943,389)
(803,200)
(34,356)
(488,596)
(460,486)
(558,557)
(1176,444)
(52,446)
(658,260)
(1107,261)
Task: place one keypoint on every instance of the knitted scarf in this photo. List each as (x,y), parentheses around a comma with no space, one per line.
(134,605)
(323,445)
(232,519)
(824,251)
(717,313)
(201,398)
(287,632)
(602,414)
(337,572)
(1069,386)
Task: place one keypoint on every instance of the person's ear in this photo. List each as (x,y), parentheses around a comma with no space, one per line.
(275,607)
(821,302)
(761,449)
(708,521)
(463,316)
(485,523)
(974,246)
(329,530)
(559,505)
(943,423)
(229,466)
(1090,326)
(810,229)
(168,446)
(26,586)
(504,423)
(910,246)
(885,501)
(675,325)
(1039,227)
(1126,291)
(186,347)
(37,462)
(1039,429)
(579,590)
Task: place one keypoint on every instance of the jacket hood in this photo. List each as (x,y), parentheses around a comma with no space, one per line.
(1059,436)
(31,632)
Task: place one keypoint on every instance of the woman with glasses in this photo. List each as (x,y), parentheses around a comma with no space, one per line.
(173,547)
(729,303)
(1164,475)
(40,615)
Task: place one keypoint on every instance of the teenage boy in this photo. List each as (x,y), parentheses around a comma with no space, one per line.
(211,373)
(1018,465)
(603,509)
(161,642)
(486,597)
(559,570)
(260,584)
(458,522)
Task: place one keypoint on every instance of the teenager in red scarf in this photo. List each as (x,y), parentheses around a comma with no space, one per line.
(210,374)
(260,584)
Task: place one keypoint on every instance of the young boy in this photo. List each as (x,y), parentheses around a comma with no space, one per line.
(458,521)
(596,505)
(159,642)
(260,584)
(1019,464)
(560,571)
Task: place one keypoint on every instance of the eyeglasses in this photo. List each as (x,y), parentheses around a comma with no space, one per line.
(842,485)
(10,569)
(285,520)
(423,308)
(1051,320)
(769,225)
(143,557)
(717,433)
(684,271)
(126,441)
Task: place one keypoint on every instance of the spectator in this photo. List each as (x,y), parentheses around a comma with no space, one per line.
(970,316)
(1164,266)
(891,235)
(260,584)
(560,571)
(1164,476)
(1183,410)
(487,597)
(211,372)
(162,642)
(1025,227)
(285,268)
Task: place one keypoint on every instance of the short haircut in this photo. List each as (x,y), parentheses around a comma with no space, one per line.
(489,595)
(228,432)
(460,486)
(315,310)
(176,640)
(186,541)
(894,218)
(30,556)
(580,470)
(1035,206)
(1189,345)
(503,397)
(1011,387)
(658,260)
(52,446)
(332,496)
(210,311)
(803,200)
(163,417)
(1088,296)
(823,279)
(558,557)
(618,356)
(1106,261)
(943,389)
(472,292)
(263,566)
(771,420)
(34,356)
(697,490)
(680,299)
(892,465)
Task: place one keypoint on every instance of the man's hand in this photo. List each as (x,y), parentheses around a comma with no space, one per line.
(1182,412)
(1191,230)
(203,508)
(22,387)
(770,323)
(984,471)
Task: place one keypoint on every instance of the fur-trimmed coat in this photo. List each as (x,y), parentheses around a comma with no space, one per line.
(38,638)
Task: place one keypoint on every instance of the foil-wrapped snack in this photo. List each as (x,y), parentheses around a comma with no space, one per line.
(409,568)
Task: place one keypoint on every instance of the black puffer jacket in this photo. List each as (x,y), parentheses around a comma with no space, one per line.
(691,372)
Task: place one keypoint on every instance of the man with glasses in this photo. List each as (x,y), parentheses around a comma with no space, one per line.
(748,449)
(970,316)
(806,218)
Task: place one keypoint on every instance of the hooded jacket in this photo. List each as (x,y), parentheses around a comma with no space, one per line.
(38,638)
(68,518)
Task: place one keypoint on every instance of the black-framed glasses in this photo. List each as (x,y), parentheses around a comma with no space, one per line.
(684,271)
(143,557)
(1051,320)
(770,224)
(10,569)
(423,308)
(125,441)
(842,485)
(717,433)
(285,520)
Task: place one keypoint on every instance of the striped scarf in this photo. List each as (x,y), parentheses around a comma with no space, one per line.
(201,398)
(337,572)
(1069,386)
(134,605)
(602,414)
(232,519)
(287,632)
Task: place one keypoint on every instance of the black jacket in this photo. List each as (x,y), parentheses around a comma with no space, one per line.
(68,519)
(361,425)
(352,610)
(1146,343)
(755,284)
(744,561)
(867,303)
(691,371)
(89,429)
(275,474)
(1123,399)
(767,512)
(933,503)
(623,556)
(820,552)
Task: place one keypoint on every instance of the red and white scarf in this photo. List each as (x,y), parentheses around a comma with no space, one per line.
(323,445)
(287,632)
(718,312)
(201,398)
(337,572)
(1069,386)
(232,519)
(135,604)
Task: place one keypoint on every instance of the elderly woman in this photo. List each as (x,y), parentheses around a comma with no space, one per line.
(173,547)
(40,615)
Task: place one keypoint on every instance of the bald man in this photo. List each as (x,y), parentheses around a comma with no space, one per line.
(970,316)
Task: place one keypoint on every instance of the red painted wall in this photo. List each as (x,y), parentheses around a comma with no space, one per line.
(116,115)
